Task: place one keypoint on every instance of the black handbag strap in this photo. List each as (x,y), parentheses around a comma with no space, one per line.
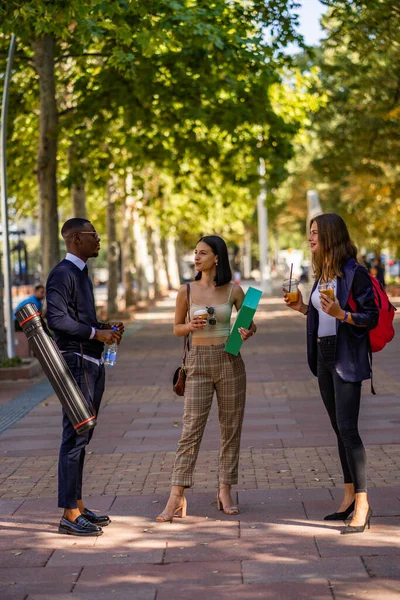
(186,341)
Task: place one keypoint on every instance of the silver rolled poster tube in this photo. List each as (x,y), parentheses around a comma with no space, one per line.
(56,369)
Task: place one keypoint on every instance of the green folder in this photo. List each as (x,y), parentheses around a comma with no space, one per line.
(243,319)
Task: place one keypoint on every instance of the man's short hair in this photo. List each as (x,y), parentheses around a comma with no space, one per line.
(73,225)
(38,286)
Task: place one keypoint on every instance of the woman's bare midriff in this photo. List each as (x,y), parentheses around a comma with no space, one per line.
(216,341)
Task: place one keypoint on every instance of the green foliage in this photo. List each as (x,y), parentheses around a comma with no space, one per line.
(181,88)
(359,128)
(11,362)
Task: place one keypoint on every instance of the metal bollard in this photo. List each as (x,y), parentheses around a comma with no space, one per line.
(56,369)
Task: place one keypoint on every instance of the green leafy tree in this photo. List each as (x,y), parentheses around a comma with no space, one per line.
(359,128)
(212,60)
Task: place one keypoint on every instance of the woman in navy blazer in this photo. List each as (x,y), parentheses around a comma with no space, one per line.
(338,352)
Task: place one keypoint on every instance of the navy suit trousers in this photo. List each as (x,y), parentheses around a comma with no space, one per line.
(72,450)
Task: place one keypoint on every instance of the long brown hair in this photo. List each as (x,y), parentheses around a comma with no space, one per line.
(335,246)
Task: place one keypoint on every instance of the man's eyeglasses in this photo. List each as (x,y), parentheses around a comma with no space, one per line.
(96,235)
(211,319)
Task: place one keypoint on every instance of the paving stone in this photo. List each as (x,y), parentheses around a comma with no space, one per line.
(269,510)
(243,549)
(33,579)
(290,495)
(288,530)
(384,502)
(117,554)
(196,529)
(309,568)
(137,591)
(40,533)
(119,577)
(272,591)
(381,539)
(387,567)
(8,507)
(20,558)
(373,589)
(318,510)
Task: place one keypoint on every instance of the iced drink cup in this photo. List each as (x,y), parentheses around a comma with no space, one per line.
(327,288)
(202,312)
(291,289)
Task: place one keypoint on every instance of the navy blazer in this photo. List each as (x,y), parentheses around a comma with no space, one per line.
(352,343)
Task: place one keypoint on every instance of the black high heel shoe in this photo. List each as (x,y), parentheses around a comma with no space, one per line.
(359,528)
(341,516)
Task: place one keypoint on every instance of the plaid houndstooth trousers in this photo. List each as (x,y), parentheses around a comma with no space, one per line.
(210,368)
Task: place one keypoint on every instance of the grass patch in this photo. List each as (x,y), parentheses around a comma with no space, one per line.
(11,362)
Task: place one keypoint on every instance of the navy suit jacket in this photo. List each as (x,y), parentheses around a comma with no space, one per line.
(352,361)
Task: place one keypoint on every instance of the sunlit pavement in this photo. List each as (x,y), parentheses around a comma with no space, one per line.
(279,547)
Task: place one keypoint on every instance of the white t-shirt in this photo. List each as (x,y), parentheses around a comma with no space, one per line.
(326,324)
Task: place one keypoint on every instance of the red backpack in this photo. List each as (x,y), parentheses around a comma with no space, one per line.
(383,333)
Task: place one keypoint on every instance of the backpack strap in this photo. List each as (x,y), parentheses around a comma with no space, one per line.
(352,304)
(373,392)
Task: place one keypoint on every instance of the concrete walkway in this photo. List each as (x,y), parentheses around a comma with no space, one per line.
(277,548)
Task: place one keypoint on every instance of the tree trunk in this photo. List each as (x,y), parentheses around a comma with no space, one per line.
(78,196)
(127,246)
(171,262)
(3,338)
(160,276)
(164,250)
(143,268)
(179,259)
(43,49)
(77,178)
(247,256)
(113,251)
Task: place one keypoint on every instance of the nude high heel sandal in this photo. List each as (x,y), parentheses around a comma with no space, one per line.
(231,510)
(179,512)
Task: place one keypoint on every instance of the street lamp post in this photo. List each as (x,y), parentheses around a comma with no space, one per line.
(262,218)
(8,312)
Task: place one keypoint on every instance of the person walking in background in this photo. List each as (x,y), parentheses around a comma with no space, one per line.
(378,270)
(338,351)
(71,314)
(36,298)
(209,301)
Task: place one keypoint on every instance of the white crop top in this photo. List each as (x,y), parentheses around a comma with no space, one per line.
(223,313)
(326,323)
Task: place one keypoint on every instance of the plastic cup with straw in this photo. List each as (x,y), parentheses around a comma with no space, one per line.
(291,287)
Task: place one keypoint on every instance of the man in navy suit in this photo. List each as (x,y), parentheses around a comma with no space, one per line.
(71,314)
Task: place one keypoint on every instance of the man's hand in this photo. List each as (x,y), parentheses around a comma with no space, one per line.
(108,336)
(120,327)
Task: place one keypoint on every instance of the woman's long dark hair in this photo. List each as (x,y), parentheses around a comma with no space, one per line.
(218,246)
(335,246)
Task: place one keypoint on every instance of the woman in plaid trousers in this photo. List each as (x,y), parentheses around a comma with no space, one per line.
(209,368)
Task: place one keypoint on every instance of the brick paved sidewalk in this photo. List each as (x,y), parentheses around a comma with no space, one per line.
(277,548)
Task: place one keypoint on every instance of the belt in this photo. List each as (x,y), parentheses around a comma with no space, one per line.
(328,340)
(96,361)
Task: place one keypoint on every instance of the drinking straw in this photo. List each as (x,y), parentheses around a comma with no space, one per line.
(290,277)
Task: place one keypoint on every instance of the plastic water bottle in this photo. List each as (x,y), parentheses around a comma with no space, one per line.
(110,355)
